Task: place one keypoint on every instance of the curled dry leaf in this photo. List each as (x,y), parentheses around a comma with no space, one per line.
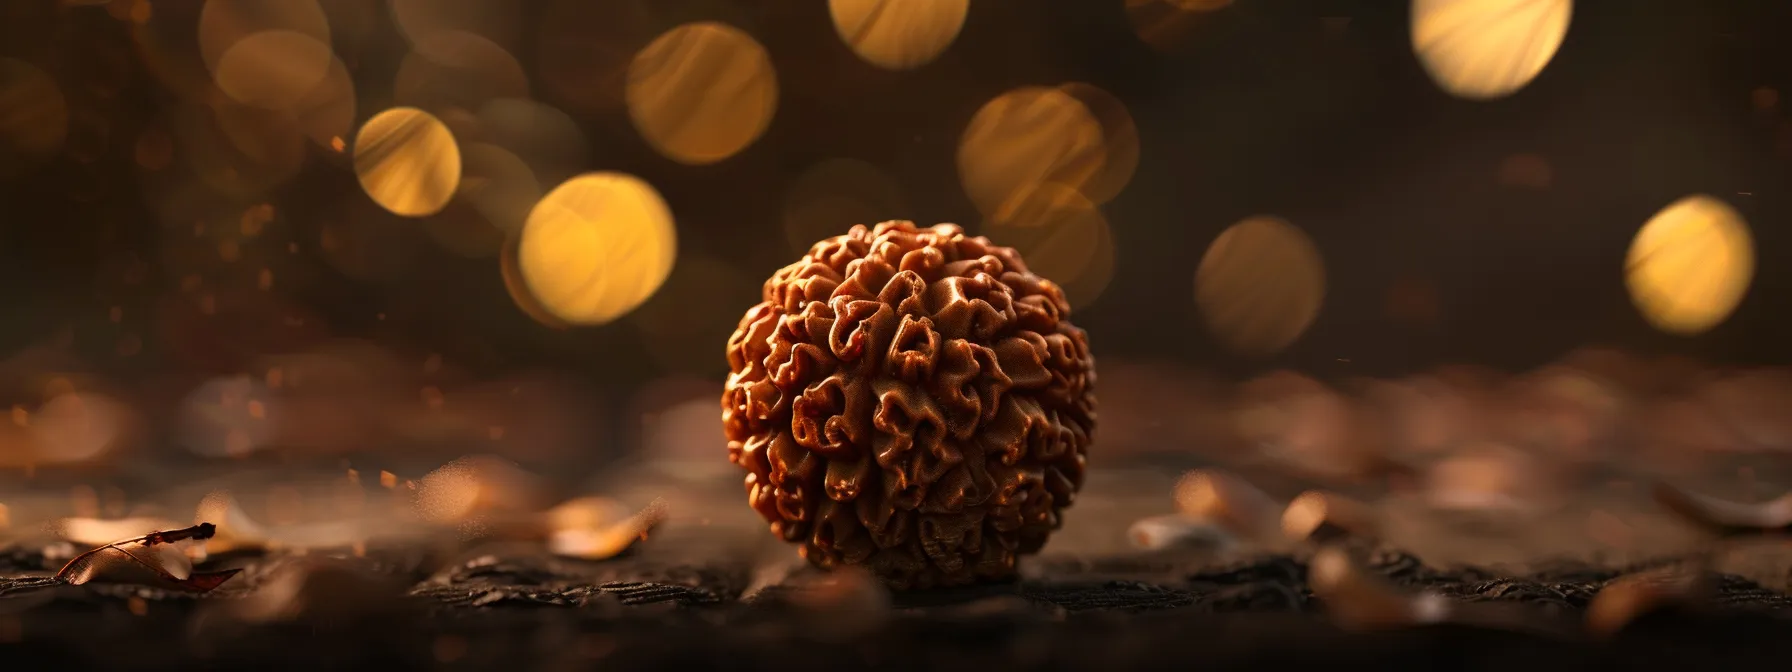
(99,531)
(1625,599)
(1176,531)
(1228,501)
(155,559)
(1726,518)
(1359,599)
(1323,517)
(593,528)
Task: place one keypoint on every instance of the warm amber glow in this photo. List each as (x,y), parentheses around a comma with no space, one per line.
(702,92)
(1260,285)
(1120,141)
(407,161)
(1025,138)
(457,70)
(512,271)
(1062,237)
(33,115)
(898,34)
(499,184)
(1690,265)
(273,69)
(1483,49)
(596,247)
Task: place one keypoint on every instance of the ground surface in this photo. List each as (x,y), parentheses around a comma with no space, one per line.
(711,597)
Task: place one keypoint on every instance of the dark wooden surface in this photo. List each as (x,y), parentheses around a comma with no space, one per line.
(712,591)
(511,607)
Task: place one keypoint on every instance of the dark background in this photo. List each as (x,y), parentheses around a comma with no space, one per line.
(1314,111)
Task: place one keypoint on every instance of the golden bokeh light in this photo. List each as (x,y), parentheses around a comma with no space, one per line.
(418,20)
(898,34)
(1260,285)
(1024,138)
(267,54)
(223,23)
(1165,25)
(1690,265)
(511,268)
(1485,49)
(1062,237)
(33,116)
(596,247)
(1120,141)
(327,113)
(262,136)
(407,161)
(457,69)
(701,92)
(495,195)
(831,196)
(497,183)
(545,138)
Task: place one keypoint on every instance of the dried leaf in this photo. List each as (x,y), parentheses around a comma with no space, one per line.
(1229,501)
(100,531)
(1726,518)
(1358,598)
(154,559)
(1177,531)
(579,531)
(1322,516)
(1625,599)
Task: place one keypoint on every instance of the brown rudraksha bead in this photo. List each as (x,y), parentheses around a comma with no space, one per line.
(911,400)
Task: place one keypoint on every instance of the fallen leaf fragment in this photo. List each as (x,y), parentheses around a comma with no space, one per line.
(154,559)
(1323,517)
(1357,598)
(1228,501)
(101,531)
(1725,518)
(1175,531)
(588,529)
(1627,598)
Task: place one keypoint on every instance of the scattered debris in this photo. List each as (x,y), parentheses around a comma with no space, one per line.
(155,559)
(1356,598)
(1174,531)
(593,528)
(1726,518)
(1227,501)
(1627,598)
(1324,517)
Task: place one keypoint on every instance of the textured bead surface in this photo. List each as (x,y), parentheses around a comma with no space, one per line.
(911,400)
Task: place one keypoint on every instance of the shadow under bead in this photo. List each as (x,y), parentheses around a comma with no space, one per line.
(912,401)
